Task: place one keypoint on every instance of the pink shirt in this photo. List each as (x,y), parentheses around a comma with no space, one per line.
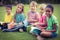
(42,19)
(33,15)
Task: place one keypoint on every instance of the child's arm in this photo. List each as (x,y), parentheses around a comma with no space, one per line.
(11,25)
(29,18)
(54,25)
(34,24)
(54,28)
(21,24)
(33,20)
(36,18)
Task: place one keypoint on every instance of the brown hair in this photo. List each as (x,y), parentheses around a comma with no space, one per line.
(22,6)
(9,6)
(22,10)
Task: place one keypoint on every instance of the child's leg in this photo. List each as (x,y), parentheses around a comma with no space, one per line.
(7,30)
(39,37)
(36,32)
(4,26)
(54,35)
(24,28)
(46,34)
(0,26)
(32,28)
(11,25)
(15,29)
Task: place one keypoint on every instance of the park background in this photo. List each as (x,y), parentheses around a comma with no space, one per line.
(25,35)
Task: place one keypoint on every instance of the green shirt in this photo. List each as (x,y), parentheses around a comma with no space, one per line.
(52,20)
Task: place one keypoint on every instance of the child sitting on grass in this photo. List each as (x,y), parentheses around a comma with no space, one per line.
(8,17)
(32,15)
(42,24)
(18,24)
(52,29)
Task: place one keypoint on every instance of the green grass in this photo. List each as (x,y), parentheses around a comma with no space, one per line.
(16,36)
(24,35)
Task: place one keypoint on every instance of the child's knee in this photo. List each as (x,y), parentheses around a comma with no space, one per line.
(46,34)
(10,26)
(23,28)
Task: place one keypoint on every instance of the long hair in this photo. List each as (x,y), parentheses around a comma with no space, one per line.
(22,6)
(21,11)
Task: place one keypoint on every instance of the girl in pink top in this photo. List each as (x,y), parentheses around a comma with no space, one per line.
(42,17)
(32,15)
(42,24)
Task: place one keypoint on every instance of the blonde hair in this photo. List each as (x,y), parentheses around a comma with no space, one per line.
(42,8)
(42,5)
(33,3)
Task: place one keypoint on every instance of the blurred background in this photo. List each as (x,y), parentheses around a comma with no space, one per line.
(4,2)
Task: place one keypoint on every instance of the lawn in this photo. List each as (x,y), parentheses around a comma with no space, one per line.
(25,35)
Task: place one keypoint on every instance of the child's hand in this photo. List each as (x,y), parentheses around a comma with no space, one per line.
(11,25)
(33,23)
(33,20)
(21,23)
(15,23)
(43,30)
(30,19)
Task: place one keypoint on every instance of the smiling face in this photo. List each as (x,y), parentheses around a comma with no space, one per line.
(42,10)
(19,9)
(32,8)
(48,12)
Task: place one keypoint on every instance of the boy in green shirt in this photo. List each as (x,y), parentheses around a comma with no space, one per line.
(52,28)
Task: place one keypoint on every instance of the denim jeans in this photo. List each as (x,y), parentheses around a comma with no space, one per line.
(15,29)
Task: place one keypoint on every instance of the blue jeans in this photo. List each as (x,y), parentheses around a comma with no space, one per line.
(3,26)
(15,29)
(53,35)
